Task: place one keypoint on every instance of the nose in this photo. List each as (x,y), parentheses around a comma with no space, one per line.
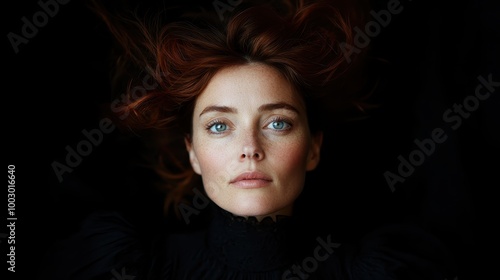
(251,148)
(251,155)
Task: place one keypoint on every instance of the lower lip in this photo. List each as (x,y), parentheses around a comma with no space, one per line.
(251,184)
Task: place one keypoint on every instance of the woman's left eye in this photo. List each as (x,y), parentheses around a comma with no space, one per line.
(279,125)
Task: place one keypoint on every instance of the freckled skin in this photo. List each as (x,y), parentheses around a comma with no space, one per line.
(276,141)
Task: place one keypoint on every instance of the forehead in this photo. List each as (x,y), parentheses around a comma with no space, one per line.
(248,84)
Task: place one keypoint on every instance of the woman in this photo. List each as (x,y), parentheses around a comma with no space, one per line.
(245,97)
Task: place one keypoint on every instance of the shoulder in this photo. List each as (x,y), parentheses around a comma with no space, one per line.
(106,244)
(400,251)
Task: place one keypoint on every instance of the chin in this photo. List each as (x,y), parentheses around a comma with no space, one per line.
(259,208)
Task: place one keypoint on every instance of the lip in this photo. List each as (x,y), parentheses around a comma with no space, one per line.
(251,180)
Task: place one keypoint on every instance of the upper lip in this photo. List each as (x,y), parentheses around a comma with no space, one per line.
(251,175)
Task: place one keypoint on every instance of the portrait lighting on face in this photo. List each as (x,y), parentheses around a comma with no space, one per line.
(251,142)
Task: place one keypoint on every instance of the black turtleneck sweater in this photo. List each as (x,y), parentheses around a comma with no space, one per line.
(108,246)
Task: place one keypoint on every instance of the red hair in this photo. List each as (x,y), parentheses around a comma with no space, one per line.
(302,41)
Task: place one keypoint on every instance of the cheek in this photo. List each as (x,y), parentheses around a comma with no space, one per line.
(211,157)
(213,164)
(291,156)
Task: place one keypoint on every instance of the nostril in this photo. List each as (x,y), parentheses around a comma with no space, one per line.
(255,155)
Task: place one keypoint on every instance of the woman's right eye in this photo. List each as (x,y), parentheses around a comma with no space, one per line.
(217,127)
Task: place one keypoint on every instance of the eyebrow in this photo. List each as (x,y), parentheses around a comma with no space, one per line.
(222,109)
(278,105)
(262,108)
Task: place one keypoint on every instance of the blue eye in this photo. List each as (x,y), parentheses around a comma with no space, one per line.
(218,127)
(279,125)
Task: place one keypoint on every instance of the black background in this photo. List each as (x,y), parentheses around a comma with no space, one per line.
(57,85)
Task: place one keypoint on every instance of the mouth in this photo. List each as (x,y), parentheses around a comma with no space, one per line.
(251,180)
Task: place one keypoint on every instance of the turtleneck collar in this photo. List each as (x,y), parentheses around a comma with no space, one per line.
(246,244)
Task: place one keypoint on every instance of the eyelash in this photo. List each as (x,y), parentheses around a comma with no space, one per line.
(281,119)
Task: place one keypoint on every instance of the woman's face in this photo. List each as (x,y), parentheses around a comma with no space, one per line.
(251,142)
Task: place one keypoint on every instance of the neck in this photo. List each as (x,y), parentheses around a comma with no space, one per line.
(284,212)
(248,243)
